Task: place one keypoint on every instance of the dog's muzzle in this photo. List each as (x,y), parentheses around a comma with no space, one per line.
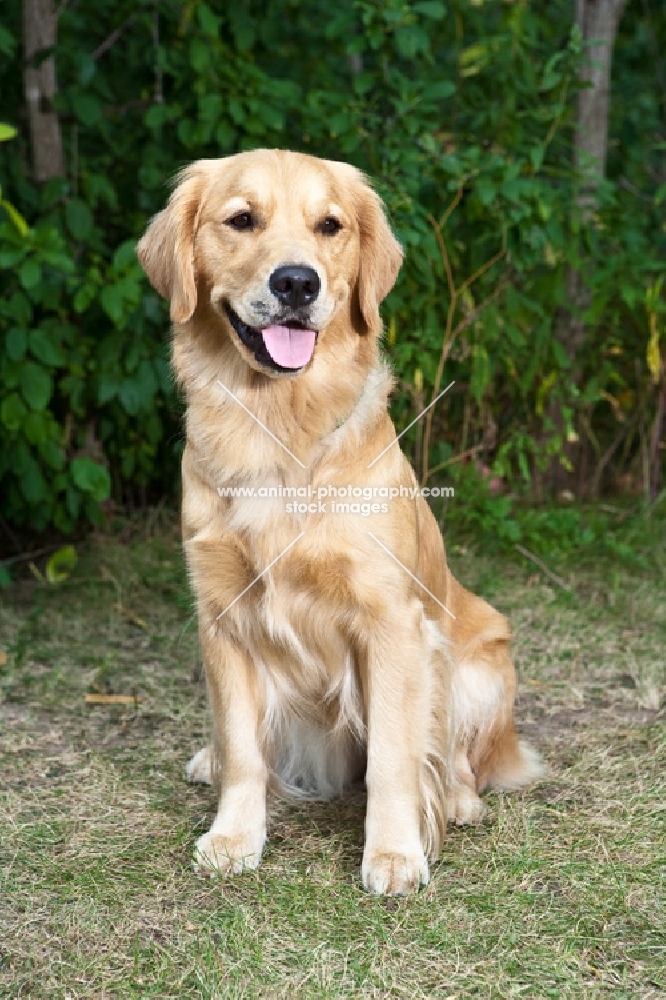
(285,347)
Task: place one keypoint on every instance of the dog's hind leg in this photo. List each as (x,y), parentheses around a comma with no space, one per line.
(199,769)
(488,751)
(511,764)
(463,803)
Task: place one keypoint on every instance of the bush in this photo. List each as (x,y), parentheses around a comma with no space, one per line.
(462,114)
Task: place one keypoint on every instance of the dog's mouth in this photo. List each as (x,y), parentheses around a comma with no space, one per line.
(287,347)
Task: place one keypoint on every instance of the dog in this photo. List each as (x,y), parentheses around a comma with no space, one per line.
(337,644)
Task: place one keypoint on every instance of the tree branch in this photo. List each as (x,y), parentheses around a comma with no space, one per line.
(544,569)
(117,32)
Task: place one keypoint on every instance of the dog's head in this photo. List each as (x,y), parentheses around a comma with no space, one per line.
(278,244)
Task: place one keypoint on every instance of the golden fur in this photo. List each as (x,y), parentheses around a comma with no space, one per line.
(334,664)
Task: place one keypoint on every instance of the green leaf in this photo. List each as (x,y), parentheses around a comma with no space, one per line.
(16,343)
(411,40)
(35,426)
(6,132)
(91,477)
(486,191)
(12,412)
(52,453)
(87,109)
(430,8)
(112,303)
(73,502)
(146,381)
(79,219)
(83,297)
(199,55)
(186,131)
(224,136)
(125,255)
(7,42)
(98,187)
(473,59)
(33,484)
(237,111)
(106,390)
(536,157)
(439,91)
(61,564)
(157,115)
(87,68)
(209,22)
(36,385)
(10,258)
(130,397)
(480,372)
(44,347)
(30,274)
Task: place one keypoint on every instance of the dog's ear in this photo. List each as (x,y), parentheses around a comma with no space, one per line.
(166,249)
(381,255)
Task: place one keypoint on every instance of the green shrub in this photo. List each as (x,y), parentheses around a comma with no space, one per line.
(462,114)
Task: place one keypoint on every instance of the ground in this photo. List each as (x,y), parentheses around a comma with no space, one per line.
(558,893)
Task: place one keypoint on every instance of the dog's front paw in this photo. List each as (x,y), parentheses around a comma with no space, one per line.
(392,873)
(220,854)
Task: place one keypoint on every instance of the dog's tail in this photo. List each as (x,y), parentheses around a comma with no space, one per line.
(513,763)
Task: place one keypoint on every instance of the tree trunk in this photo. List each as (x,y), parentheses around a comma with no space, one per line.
(598,21)
(39,35)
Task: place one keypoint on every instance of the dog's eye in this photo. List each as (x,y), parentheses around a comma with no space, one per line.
(330,226)
(243,220)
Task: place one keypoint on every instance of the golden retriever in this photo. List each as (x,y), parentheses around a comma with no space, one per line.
(336,642)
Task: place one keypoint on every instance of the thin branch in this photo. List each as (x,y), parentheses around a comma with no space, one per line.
(446,349)
(632,189)
(437,226)
(656,437)
(657,64)
(24,556)
(452,207)
(480,271)
(10,533)
(447,342)
(544,569)
(642,420)
(476,312)
(469,453)
(608,454)
(550,134)
(115,35)
(450,337)
(159,93)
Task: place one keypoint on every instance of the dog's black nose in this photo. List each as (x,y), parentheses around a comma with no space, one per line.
(295,286)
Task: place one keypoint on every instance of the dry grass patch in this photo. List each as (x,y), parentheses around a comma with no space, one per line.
(558,893)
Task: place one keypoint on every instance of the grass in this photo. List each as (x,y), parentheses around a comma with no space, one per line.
(558,893)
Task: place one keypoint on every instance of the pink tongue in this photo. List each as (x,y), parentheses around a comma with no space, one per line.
(287,347)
